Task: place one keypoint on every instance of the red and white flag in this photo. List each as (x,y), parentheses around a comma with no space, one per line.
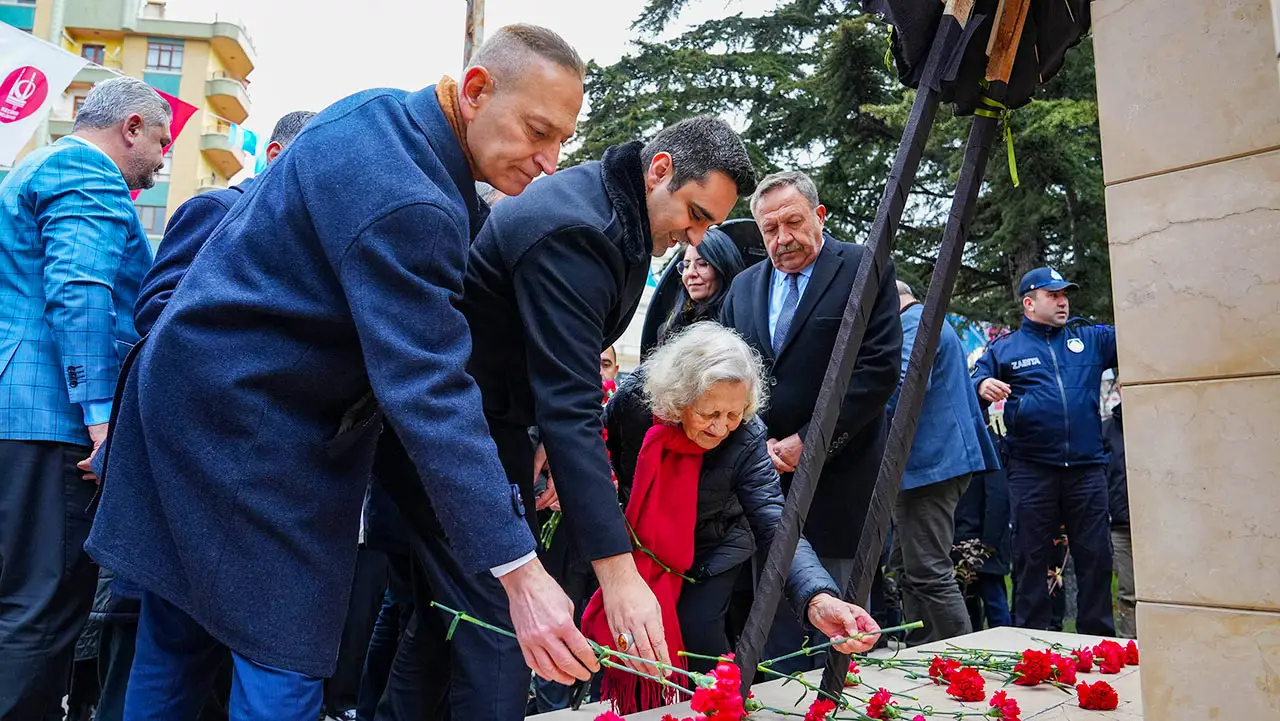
(33,75)
(182,112)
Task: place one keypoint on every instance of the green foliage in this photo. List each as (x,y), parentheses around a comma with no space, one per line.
(807,84)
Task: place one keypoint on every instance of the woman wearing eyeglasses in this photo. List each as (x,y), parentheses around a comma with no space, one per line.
(706,270)
(705,498)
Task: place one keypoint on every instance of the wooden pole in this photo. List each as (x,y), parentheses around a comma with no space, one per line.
(902,431)
(853,327)
(474,30)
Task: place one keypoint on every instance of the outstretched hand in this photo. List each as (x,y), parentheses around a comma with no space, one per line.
(543,618)
(839,619)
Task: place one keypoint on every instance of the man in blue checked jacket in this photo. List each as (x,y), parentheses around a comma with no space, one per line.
(72,255)
(1049,373)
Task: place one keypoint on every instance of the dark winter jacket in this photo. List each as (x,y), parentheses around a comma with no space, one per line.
(1052,414)
(739,496)
(984,513)
(553,279)
(1117,476)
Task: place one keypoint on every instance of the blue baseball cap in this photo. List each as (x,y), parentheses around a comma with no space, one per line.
(1045,278)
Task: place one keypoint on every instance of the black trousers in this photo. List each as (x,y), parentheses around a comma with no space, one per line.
(393,620)
(703,610)
(1045,498)
(46,579)
(341,690)
(477,675)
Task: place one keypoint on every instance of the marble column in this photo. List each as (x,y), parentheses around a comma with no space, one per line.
(1189,107)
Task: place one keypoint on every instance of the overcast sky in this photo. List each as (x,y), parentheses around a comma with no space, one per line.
(310,54)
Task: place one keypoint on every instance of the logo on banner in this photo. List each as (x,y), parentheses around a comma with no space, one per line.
(22,93)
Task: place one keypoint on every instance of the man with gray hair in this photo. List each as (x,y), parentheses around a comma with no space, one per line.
(72,253)
(790,309)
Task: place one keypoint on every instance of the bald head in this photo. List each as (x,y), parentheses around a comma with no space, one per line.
(510,51)
(520,98)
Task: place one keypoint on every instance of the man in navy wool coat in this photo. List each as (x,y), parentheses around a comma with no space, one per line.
(185,234)
(247,424)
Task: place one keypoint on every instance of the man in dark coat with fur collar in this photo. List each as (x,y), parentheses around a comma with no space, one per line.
(553,279)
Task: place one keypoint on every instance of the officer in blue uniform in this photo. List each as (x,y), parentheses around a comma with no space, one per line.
(1049,372)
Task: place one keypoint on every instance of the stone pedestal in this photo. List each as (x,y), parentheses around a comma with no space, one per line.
(1041,703)
(1189,105)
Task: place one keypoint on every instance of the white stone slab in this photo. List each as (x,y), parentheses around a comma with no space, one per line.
(1042,703)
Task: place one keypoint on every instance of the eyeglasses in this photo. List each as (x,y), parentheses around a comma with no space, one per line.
(699,265)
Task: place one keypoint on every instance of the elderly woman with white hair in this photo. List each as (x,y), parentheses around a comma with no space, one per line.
(704,496)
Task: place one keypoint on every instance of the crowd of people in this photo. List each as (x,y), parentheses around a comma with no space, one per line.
(393,341)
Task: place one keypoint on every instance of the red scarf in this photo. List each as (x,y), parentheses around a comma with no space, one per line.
(663,509)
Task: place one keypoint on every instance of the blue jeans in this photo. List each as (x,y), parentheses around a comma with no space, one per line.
(172,672)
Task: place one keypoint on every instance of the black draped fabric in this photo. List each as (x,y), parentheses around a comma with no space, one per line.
(1052,28)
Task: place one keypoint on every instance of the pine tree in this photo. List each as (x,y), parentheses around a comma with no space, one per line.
(807,84)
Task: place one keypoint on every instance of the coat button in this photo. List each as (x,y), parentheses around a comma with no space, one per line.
(516,501)
(772,381)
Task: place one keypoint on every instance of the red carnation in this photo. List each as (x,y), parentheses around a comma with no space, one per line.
(720,694)
(1084,659)
(1004,708)
(1110,656)
(611,716)
(879,707)
(1131,653)
(819,709)
(1098,697)
(967,685)
(1064,669)
(1034,668)
(851,677)
(941,669)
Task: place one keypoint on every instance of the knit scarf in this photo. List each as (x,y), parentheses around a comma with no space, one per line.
(447,96)
(662,510)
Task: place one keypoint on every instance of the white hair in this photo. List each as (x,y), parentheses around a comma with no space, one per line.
(690,362)
(110,102)
(904,289)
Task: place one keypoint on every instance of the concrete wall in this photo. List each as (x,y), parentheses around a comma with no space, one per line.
(1189,106)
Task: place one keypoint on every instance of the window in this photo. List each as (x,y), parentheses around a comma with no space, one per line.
(93,53)
(166,167)
(164,56)
(152,218)
(77,102)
